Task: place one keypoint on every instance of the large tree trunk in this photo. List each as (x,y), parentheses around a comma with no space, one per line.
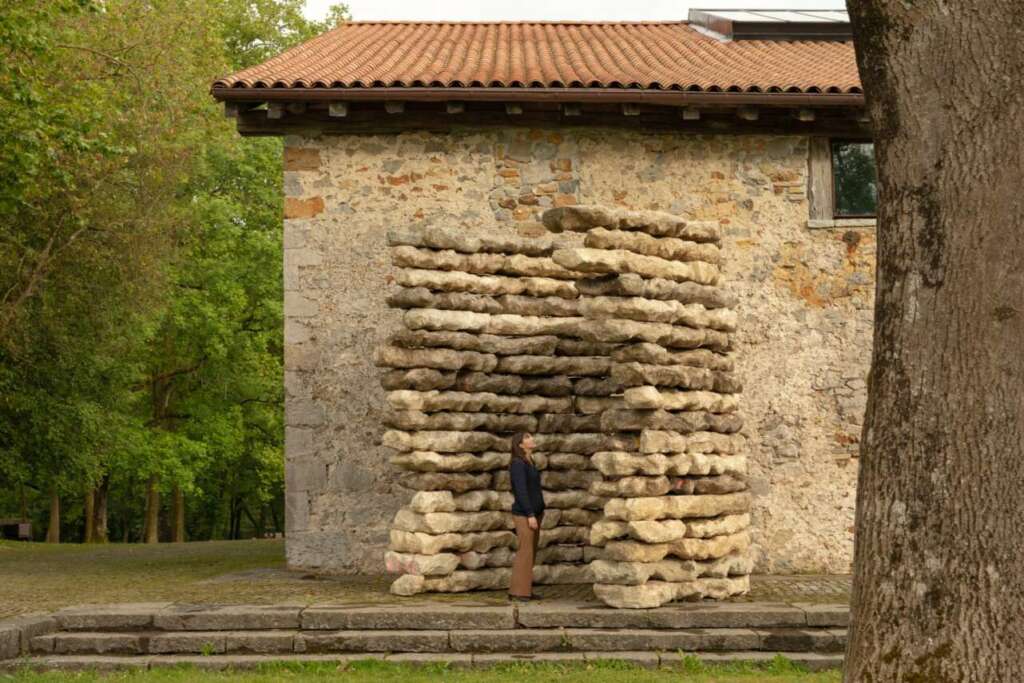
(53,528)
(88,516)
(178,535)
(100,533)
(151,533)
(939,556)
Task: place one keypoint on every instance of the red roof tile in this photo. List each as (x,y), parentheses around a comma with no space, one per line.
(650,56)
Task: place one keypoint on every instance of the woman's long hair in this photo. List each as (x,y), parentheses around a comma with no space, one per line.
(517,447)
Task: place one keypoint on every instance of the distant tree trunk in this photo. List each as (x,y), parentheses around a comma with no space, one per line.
(236,519)
(100,532)
(53,528)
(151,533)
(87,515)
(274,517)
(24,502)
(939,556)
(257,523)
(178,535)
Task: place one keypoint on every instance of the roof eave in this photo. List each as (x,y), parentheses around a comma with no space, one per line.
(580,95)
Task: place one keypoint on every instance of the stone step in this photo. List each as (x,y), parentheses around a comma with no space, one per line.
(683,615)
(476,641)
(427,616)
(812,661)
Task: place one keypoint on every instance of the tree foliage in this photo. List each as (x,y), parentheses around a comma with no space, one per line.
(140,261)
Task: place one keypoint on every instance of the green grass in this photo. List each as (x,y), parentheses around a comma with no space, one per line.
(778,671)
(39,577)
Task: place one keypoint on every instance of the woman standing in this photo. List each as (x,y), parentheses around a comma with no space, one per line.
(528,512)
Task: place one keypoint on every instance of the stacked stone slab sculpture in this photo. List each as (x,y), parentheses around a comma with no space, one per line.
(676,516)
(614,355)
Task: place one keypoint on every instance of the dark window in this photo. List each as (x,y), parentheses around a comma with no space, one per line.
(854,179)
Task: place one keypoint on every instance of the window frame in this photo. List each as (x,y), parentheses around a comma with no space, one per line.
(832,142)
(821,183)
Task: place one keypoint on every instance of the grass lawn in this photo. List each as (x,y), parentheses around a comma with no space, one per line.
(778,671)
(39,577)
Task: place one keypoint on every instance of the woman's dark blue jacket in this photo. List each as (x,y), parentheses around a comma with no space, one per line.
(529,498)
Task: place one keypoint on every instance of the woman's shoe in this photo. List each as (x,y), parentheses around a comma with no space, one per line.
(519,598)
(534,596)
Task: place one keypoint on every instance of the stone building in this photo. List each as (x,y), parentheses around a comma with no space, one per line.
(752,121)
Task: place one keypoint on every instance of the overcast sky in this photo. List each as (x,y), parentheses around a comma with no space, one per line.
(491,10)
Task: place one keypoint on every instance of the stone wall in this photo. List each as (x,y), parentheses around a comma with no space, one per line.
(804,304)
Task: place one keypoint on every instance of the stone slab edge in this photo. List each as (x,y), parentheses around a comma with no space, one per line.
(812,661)
(17,633)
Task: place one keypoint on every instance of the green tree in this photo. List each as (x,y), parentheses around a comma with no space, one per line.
(140,256)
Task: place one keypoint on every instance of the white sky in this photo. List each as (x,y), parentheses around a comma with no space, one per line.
(594,10)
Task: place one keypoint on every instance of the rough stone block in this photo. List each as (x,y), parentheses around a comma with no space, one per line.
(469,243)
(629,284)
(670,248)
(427,461)
(602,261)
(441,564)
(676,507)
(447,281)
(655,441)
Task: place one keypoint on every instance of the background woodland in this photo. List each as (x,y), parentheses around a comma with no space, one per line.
(140,271)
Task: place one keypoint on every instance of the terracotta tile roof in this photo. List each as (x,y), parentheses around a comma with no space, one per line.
(531,55)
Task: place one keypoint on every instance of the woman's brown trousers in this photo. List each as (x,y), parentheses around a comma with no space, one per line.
(522,567)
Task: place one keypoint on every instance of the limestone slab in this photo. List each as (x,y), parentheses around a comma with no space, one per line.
(629,284)
(671,248)
(676,507)
(447,281)
(435,237)
(605,261)
(443,481)
(428,461)
(584,217)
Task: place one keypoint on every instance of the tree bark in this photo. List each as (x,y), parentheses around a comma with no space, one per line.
(178,536)
(151,532)
(87,515)
(100,533)
(939,558)
(53,528)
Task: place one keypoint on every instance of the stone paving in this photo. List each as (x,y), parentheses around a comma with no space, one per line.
(814,588)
